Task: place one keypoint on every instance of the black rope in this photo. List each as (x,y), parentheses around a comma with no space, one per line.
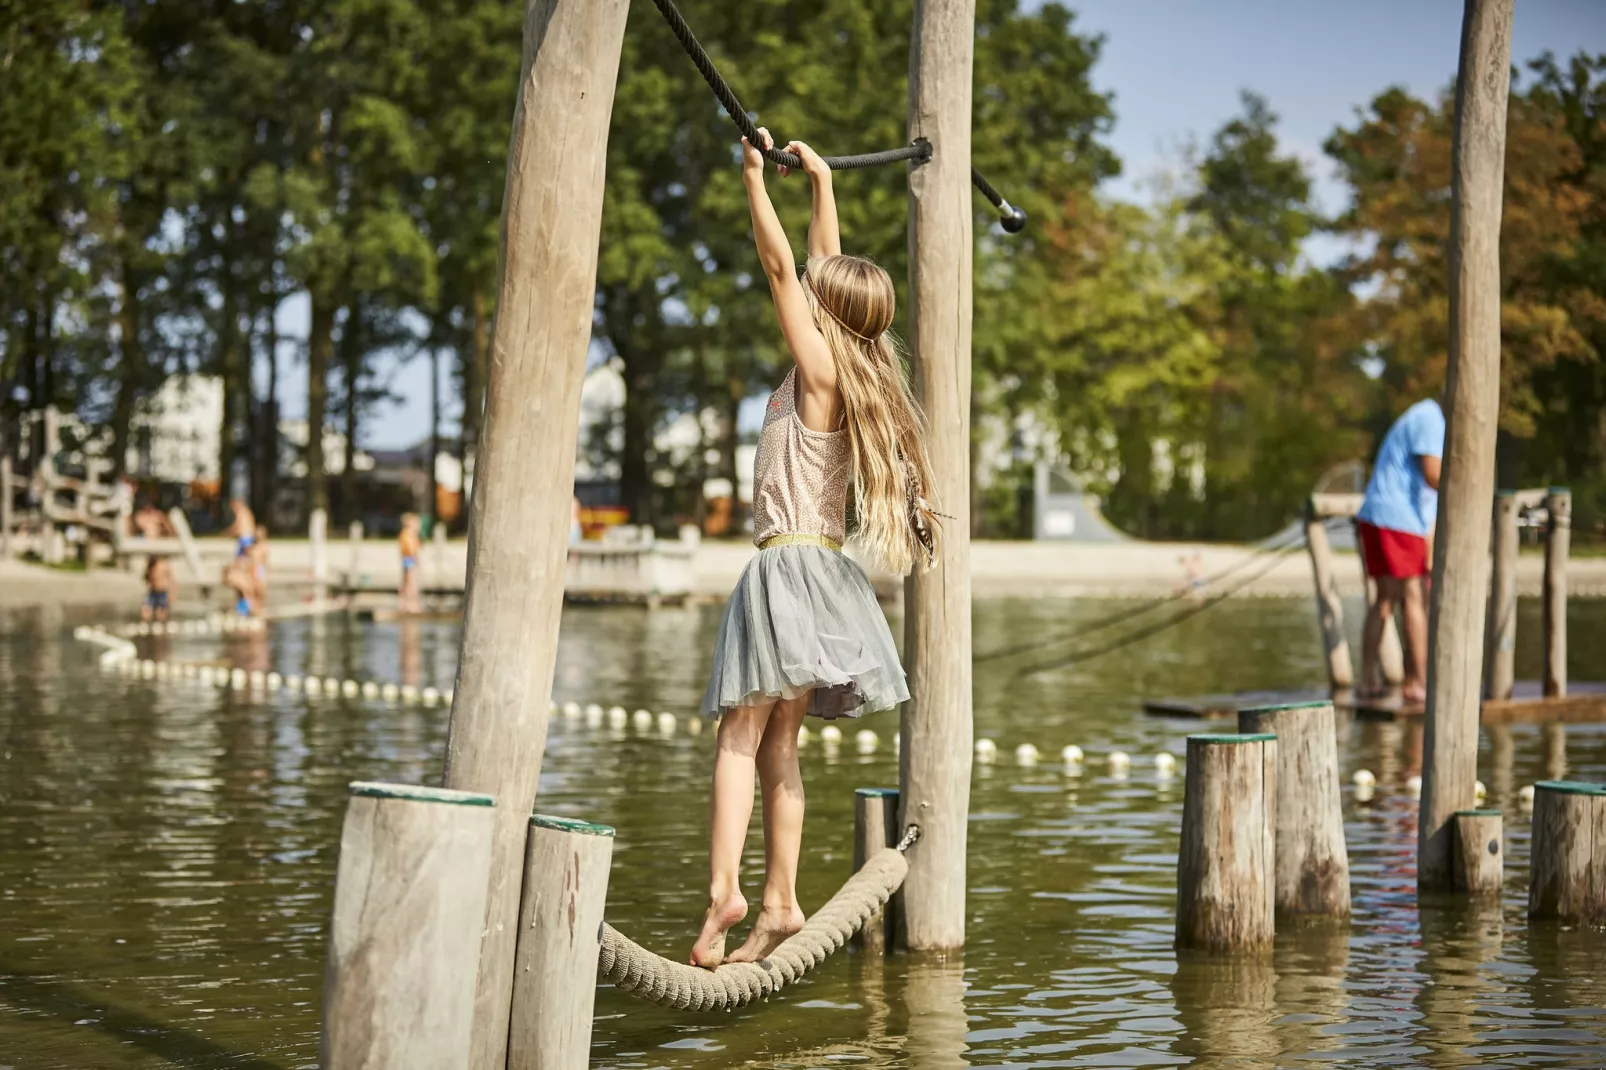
(1076,657)
(1011,218)
(1099,624)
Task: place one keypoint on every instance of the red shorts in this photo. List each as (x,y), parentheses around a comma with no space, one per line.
(1393,554)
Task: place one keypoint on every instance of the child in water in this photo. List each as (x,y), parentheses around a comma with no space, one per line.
(158,588)
(239,573)
(411,544)
(803,632)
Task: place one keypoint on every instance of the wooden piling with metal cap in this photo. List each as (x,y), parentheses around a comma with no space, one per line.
(1226,873)
(566,865)
(404,942)
(1312,862)
(1567,856)
(875,825)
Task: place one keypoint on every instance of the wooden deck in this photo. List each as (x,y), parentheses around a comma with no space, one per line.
(1585,703)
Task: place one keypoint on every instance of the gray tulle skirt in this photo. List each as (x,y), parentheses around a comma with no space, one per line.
(804,617)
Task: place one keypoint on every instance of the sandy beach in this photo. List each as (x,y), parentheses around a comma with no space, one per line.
(999,569)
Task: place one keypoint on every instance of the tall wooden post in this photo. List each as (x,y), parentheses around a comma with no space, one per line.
(354,539)
(318,545)
(936,724)
(1329,603)
(524,465)
(5,505)
(1558,539)
(1500,633)
(1461,545)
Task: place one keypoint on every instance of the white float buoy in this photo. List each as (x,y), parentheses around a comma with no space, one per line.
(1363,776)
(694,726)
(409,693)
(866,741)
(1479,790)
(1526,796)
(205,674)
(831,735)
(1119,761)
(257,677)
(593,716)
(292,683)
(666,724)
(642,720)
(571,711)
(986,749)
(272,681)
(1165,764)
(1071,754)
(1026,754)
(803,734)
(350,688)
(617,717)
(430,696)
(1413,785)
(390,692)
(370,689)
(446,696)
(147,669)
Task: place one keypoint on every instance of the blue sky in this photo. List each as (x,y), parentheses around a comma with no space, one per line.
(1176,68)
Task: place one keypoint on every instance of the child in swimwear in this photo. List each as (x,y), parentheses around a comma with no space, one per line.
(158,588)
(411,544)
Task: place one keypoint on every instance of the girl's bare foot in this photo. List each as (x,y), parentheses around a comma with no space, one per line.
(709,950)
(771,930)
(1414,694)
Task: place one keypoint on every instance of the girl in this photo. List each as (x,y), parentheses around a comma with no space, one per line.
(802,632)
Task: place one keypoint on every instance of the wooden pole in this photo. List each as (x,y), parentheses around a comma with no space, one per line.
(936,724)
(318,537)
(186,542)
(1567,859)
(1329,603)
(1226,878)
(560,931)
(1558,537)
(1500,633)
(1312,863)
(404,942)
(1479,856)
(1472,388)
(50,548)
(875,825)
(5,506)
(354,537)
(524,462)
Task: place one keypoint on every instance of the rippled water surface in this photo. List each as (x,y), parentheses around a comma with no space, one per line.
(167,855)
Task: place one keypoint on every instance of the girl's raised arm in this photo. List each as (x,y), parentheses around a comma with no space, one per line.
(825,237)
(816,369)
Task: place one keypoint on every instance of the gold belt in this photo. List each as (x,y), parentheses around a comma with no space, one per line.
(800,539)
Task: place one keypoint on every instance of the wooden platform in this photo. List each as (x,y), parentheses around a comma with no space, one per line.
(1585,703)
(1207,707)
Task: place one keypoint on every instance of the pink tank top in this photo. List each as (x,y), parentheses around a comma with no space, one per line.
(800,477)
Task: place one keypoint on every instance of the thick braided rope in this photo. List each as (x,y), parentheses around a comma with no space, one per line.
(652,977)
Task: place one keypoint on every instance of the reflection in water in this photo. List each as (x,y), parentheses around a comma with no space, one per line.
(1555,737)
(167,852)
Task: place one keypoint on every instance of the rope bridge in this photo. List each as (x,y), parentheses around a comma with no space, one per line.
(1011,218)
(675,984)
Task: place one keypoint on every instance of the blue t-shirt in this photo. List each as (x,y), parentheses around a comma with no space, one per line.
(1398,496)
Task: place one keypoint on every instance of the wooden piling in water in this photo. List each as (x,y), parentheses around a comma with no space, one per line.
(5,504)
(875,825)
(318,537)
(1226,873)
(1479,852)
(1472,409)
(519,511)
(1500,630)
(1312,862)
(1567,857)
(1558,539)
(354,538)
(1329,603)
(404,941)
(566,866)
(936,722)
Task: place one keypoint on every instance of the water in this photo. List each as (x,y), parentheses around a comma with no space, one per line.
(167,854)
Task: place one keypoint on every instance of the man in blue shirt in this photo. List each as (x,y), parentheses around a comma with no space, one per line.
(1395,525)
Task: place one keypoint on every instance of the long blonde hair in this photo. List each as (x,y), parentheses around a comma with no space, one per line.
(852,300)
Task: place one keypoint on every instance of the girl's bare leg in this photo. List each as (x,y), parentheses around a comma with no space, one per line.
(780,915)
(740,732)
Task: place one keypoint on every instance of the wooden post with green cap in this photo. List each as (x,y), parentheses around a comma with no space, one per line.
(404,943)
(875,825)
(566,866)
(1567,859)
(1312,863)
(1226,876)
